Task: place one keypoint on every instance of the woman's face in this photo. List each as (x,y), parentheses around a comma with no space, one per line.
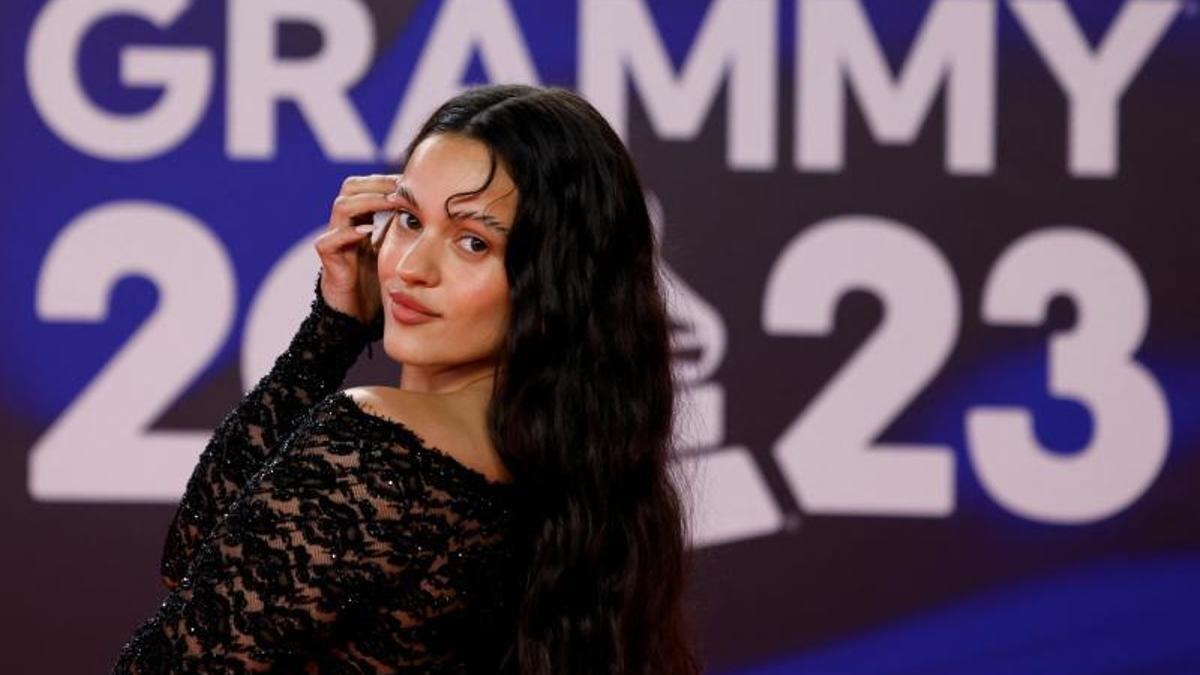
(452,265)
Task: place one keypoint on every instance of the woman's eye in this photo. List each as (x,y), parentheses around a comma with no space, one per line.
(481,241)
(405,214)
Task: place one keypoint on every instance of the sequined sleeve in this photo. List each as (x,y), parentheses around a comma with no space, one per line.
(355,548)
(320,353)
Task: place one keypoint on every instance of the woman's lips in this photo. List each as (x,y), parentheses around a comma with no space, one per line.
(409,316)
(411,302)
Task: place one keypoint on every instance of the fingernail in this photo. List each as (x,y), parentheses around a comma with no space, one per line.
(363,229)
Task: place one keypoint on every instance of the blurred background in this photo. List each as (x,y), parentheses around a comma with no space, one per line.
(933,273)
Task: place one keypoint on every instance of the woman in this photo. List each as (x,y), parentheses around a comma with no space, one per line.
(508,508)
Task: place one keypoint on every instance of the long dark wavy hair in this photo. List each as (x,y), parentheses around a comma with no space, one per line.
(582,410)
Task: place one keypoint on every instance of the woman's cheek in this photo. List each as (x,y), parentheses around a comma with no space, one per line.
(387,258)
(383,257)
(500,304)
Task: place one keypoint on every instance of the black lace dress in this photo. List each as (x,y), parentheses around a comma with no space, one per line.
(317,537)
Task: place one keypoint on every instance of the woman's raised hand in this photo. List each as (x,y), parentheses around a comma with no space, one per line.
(349,282)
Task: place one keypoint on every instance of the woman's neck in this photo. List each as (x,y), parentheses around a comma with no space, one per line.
(478,379)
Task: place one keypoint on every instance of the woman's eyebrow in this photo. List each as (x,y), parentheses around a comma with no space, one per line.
(407,194)
(490,221)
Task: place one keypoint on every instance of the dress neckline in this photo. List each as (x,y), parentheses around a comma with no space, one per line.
(415,441)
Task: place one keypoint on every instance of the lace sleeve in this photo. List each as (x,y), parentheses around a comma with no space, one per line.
(339,537)
(321,352)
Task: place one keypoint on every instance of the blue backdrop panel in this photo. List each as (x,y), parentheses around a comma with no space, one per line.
(932,265)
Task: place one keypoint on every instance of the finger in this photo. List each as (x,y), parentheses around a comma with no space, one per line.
(335,240)
(348,207)
(376,182)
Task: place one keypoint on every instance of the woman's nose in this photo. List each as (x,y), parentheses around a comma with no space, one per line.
(417,266)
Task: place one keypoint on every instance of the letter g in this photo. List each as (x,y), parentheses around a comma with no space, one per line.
(54,86)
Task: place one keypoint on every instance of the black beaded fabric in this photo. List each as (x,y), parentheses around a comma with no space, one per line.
(315,536)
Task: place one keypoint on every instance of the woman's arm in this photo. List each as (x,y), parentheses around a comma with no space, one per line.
(335,526)
(267,584)
(321,352)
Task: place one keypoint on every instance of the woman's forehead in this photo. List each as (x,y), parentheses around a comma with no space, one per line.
(446,164)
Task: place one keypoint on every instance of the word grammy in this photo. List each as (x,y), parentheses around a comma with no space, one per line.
(620,50)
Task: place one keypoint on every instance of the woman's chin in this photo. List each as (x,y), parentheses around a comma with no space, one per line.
(406,350)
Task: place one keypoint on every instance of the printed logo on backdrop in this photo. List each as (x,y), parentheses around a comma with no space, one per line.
(829,454)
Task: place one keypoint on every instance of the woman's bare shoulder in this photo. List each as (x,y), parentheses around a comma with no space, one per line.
(413,405)
(444,422)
